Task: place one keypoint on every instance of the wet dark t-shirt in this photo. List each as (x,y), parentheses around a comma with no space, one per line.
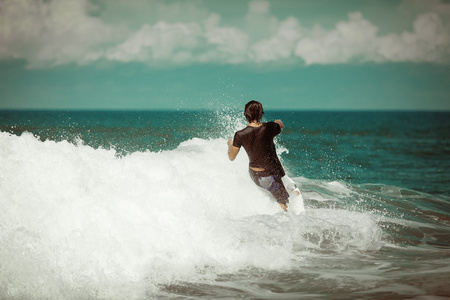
(258,143)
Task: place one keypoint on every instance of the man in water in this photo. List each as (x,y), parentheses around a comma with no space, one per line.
(257,138)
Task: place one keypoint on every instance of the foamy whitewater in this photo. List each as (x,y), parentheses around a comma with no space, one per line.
(78,222)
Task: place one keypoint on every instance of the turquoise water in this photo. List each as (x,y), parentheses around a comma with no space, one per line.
(142,205)
(406,149)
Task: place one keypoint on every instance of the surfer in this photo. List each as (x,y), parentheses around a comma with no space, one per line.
(257,139)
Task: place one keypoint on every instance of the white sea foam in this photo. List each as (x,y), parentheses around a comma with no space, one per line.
(78,222)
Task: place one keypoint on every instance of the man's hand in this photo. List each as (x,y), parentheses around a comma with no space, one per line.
(279,123)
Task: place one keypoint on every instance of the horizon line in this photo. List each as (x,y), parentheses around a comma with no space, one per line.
(209,110)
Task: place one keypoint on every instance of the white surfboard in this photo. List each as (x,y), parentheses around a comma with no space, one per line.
(296,204)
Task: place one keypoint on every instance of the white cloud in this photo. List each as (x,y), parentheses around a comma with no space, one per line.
(351,39)
(183,43)
(227,44)
(49,33)
(429,42)
(161,42)
(280,45)
(357,40)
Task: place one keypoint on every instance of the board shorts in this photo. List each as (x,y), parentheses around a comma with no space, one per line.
(272,183)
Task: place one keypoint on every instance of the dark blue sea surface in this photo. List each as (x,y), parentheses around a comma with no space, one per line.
(146,205)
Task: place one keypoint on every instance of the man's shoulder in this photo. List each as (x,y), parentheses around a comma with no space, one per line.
(239,137)
(248,129)
(273,127)
(272,124)
(244,130)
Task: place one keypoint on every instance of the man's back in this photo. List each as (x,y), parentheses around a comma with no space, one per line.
(258,143)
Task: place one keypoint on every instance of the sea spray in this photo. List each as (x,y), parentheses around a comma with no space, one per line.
(82,222)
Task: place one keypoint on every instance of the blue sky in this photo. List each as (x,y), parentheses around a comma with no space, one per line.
(288,54)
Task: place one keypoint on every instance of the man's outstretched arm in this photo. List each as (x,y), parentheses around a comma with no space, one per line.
(232,150)
(279,123)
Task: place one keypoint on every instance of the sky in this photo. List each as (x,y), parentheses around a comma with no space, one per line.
(209,54)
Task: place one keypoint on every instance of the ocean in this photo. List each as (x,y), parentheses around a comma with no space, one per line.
(146,205)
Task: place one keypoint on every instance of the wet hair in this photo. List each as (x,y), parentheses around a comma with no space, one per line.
(253,111)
